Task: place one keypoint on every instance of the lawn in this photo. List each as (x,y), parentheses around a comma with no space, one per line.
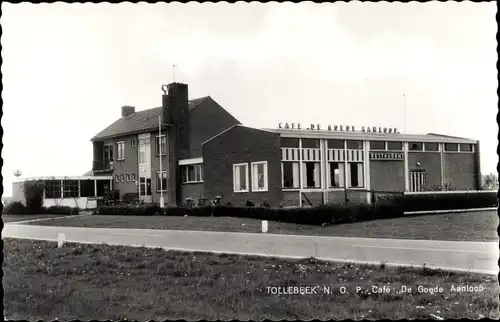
(102,282)
(467,226)
(14,218)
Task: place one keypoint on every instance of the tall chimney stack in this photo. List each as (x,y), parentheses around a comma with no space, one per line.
(175,113)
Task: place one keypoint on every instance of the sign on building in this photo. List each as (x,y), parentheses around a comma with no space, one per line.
(386,156)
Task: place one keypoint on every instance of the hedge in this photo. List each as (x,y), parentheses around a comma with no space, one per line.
(448,201)
(325,214)
(17,208)
(307,216)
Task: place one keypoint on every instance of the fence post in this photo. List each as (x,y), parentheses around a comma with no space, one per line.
(264,226)
(60,240)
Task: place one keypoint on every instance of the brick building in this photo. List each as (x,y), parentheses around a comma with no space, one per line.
(206,152)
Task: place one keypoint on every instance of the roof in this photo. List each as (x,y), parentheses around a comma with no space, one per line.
(139,121)
(88,173)
(232,127)
(345,135)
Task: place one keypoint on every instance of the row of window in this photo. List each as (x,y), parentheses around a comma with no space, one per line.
(125,177)
(374,145)
(311,175)
(69,189)
(258,177)
(160,148)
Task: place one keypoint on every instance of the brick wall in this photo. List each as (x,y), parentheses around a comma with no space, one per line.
(127,166)
(206,121)
(387,175)
(429,161)
(459,170)
(242,145)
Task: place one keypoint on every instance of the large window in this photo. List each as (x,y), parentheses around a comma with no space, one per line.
(355,175)
(289,142)
(465,147)
(357,145)
(451,147)
(259,176)
(415,146)
(53,189)
(310,144)
(143,143)
(161,145)
(291,175)
(87,188)
(336,175)
(394,146)
(335,144)
(192,173)
(120,149)
(161,181)
(377,145)
(431,146)
(70,188)
(311,175)
(240,177)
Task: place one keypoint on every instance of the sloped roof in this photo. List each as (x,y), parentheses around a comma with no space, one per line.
(447,136)
(88,173)
(139,121)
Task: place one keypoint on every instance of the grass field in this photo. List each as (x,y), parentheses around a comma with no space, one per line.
(102,282)
(468,226)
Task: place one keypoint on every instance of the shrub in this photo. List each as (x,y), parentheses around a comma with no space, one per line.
(15,208)
(448,201)
(62,210)
(33,194)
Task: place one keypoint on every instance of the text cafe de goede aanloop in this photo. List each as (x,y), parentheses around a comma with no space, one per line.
(372,129)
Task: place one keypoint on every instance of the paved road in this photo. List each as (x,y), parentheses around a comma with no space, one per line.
(481,257)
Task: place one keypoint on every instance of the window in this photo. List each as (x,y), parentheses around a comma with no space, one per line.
(336,175)
(148,186)
(290,175)
(132,142)
(240,177)
(310,144)
(133,176)
(289,143)
(143,143)
(70,188)
(53,189)
(122,177)
(117,178)
(431,147)
(377,145)
(161,181)
(335,144)
(87,188)
(120,148)
(465,147)
(128,177)
(417,180)
(161,145)
(142,186)
(355,175)
(415,146)
(357,145)
(451,147)
(394,146)
(192,173)
(259,176)
(311,175)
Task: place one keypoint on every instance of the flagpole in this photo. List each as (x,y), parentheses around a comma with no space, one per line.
(162,201)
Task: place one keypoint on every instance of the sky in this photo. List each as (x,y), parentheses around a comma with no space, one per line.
(68,68)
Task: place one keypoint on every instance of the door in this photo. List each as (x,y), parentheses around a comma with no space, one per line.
(108,157)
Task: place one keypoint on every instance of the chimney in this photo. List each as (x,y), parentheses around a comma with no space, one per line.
(175,113)
(127,111)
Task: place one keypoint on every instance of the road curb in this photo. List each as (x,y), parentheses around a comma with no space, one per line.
(422,212)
